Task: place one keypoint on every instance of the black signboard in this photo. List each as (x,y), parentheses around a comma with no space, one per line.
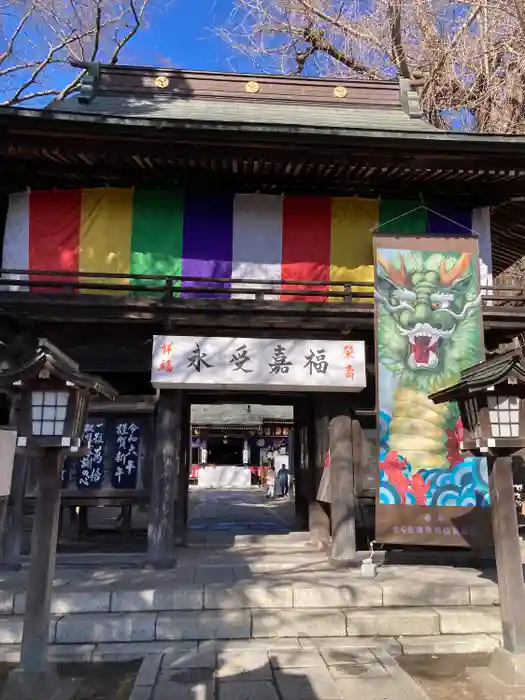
(90,467)
(126,459)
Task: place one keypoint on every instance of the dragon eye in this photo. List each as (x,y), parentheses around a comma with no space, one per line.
(437,304)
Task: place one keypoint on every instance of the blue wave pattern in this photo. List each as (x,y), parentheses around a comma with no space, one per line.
(466,484)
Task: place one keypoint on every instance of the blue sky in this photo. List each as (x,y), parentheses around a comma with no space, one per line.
(183,34)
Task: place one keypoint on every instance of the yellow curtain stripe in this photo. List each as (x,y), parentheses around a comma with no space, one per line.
(352,256)
(105,231)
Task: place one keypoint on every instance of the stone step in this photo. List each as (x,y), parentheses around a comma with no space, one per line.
(259,623)
(117,651)
(134,593)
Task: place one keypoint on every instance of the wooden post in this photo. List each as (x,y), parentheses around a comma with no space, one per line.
(13,526)
(508,555)
(342,488)
(166,456)
(301,464)
(183,476)
(82,522)
(291,464)
(35,638)
(319,520)
(13,529)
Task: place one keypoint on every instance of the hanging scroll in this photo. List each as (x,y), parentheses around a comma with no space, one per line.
(429,328)
(126,460)
(90,467)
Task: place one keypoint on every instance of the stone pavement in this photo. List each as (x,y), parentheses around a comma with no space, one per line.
(252,590)
(219,511)
(258,592)
(324,673)
(239,511)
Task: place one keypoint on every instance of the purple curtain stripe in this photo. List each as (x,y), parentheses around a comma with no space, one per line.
(447,220)
(207,241)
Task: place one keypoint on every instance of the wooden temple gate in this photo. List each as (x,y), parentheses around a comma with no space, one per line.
(310,444)
(87,262)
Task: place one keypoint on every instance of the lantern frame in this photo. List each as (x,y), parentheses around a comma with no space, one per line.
(491,400)
(54,398)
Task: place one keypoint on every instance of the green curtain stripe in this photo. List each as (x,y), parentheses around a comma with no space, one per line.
(403,223)
(156,237)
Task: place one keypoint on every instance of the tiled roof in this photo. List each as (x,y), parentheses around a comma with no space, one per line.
(221,111)
(190,97)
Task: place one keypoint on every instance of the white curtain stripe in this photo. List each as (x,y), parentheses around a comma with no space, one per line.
(257,239)
(15,254)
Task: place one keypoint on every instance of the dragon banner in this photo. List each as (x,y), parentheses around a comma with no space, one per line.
(428,328)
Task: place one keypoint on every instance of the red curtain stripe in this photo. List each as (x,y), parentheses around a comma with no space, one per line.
(306,241)
(54,227)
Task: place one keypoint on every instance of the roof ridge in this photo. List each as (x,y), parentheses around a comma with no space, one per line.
(175,84)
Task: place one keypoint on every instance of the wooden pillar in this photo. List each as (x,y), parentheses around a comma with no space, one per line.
(166,459)
(508,555)
(13,525)
(13,529)
(342,488)
(33,656)
(291,465)
(183,476)
(301,462)
(319,519)
(83,522)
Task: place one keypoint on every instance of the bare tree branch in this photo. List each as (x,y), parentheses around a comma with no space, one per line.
(8,51)
(34,95)
(137,17)
(467,60)
(398,51)
(73,85)
(317,42)
(520,12)
(50,35)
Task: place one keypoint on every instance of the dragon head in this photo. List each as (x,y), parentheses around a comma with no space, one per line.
(426,302)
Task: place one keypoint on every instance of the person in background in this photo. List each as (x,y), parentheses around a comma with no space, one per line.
(270,482)
(282,477)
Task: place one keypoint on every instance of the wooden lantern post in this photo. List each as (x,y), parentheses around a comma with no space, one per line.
(54,398)
(491,399)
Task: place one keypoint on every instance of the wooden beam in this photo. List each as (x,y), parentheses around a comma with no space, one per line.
(166,460)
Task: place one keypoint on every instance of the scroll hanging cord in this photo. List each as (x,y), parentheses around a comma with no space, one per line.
(432,211)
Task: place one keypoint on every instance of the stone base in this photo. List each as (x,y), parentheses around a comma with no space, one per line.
(505,675)
(351,563)
(369,570)
(344,564)
(21,685)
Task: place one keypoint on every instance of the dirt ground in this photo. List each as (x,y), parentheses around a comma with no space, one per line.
(111,681)
(445,677)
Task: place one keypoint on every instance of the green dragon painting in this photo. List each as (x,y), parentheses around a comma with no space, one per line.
(429,328)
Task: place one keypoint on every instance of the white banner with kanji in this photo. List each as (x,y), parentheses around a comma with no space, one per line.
(258,363)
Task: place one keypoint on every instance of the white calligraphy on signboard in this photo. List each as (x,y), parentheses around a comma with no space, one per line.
(258,363)
(90,470)
(126,455)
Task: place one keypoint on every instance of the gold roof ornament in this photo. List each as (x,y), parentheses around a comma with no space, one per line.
(340,91)
(252,86)
(162,81)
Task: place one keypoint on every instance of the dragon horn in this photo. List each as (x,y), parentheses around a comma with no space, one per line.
(399,277)
(448,277)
